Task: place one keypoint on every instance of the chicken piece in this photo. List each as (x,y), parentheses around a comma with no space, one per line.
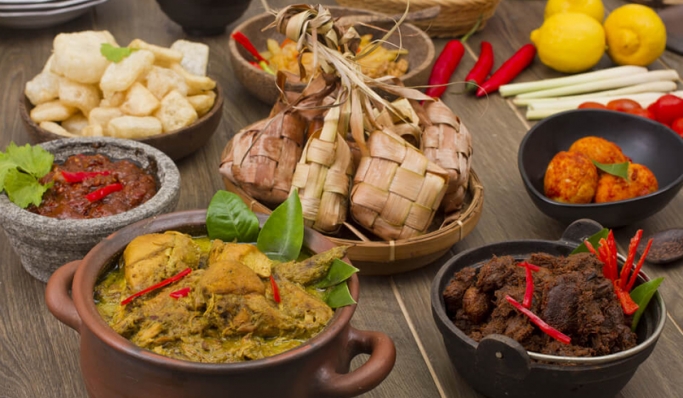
(244,253)
(230,277)
(571,177)
(149,259)
(599,149)
(640,182)
(311,269)
(312,312)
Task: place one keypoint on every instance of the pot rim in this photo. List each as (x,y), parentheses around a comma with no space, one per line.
(85,279)
(167,170)
(439,310)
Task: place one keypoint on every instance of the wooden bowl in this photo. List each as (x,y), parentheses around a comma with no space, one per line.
(176,144)
(379,257)
(262,85)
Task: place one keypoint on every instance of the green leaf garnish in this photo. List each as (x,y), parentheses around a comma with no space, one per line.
(282,234)
(115,54)
(338,273)
(21,168)
(616,169)
(339,296)
(641,295)
(23,189)
(594,240)
(228,218)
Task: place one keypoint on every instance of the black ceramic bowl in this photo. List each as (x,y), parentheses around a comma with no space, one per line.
(644,141)
(204,17)
(499,367)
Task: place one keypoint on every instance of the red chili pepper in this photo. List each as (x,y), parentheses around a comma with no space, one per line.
(628,264)
(180,293)
(547,329)
(446,64)
(634,274)
(255,65)
(80,176)
(481,69)
(101,193)
(533,267)
(509,70)
(244,41)
(627,304)
(529,293)
(161,284)
(276,290)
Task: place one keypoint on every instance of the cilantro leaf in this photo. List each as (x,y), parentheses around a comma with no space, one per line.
(115,54)
(23,189)
(616,169)
(31,159)
(5,164)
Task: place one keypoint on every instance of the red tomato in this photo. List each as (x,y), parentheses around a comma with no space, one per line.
(642,112)
(677,126)
(592,105)
(623,105)
(668,108)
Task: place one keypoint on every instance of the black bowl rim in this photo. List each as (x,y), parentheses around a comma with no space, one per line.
(438,307)
(531,188)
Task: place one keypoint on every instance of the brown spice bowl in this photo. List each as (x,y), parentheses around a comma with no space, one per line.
(113,367)
(176,144)
(262,85)
(43,243)
(499,366)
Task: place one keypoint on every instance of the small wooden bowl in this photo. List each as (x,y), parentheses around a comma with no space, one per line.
(262,85)
(176,144)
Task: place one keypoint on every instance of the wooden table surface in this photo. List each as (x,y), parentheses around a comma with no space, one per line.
(39,355)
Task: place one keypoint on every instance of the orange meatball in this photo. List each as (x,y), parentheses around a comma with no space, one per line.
(641,181)
(599,149)
(571,177)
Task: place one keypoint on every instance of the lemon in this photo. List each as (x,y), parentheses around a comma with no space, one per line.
(593,8)
(569,42)
(635,35)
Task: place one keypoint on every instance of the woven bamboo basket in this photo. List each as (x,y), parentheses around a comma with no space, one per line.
(456,18)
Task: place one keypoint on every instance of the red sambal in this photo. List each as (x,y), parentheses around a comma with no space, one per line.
(93,186)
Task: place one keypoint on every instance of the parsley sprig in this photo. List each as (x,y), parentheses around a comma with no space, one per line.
(21,168)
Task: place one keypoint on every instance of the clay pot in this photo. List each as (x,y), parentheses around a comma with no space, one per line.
(203,17)
(113,367)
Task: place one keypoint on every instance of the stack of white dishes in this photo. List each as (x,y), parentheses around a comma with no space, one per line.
(34,14)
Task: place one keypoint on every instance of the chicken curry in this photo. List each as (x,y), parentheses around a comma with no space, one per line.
(233,304)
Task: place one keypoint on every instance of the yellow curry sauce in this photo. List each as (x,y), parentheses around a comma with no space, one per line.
(229,314)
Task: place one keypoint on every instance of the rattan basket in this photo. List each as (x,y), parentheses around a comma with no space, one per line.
(456,18)
(374,256)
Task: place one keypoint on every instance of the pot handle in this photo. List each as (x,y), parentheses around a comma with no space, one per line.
(369,375)
(579,230)
(57,297)
(499,354)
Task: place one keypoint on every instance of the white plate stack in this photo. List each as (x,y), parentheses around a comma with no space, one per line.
(34,14)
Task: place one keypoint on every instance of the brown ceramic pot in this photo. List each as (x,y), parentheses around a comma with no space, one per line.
(113,367)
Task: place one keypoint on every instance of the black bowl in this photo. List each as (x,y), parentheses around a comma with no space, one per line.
(204,17)
(644,141)
(499,367)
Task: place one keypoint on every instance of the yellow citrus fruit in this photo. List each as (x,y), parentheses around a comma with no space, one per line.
(593,8)
(569,42)
(635,35)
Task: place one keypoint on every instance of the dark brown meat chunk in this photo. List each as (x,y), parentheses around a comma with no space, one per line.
(494,274)
(452,295)
(560,304)
(475,304)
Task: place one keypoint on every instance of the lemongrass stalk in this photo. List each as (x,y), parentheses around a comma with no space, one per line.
(651,87)
(507,90)
(606,84)
(644,99)
(538,114)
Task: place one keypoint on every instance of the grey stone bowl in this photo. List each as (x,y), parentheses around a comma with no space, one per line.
(43,244)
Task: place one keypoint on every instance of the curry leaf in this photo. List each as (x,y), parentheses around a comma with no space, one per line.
(339,272)
(283,233)
(115,54)
(339,296)
(616,169)
(594,240)
(23,189)
(228,218)
(641,295)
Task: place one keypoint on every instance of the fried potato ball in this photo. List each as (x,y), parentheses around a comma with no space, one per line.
(571,177)
(599,149)
(641,181)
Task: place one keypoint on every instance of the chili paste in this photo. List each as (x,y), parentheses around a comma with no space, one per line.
(94,186)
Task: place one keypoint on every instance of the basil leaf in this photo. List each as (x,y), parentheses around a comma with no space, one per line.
(115,54)
(283,233)
(616,169)
(641,295)
(228,218)
(339,296)
(339,272)
(23,189)
(594,240)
